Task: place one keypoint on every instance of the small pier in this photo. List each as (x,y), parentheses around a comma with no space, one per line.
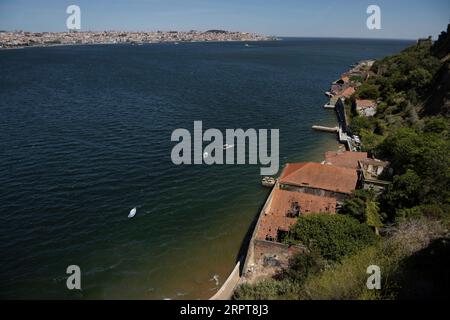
(326,129)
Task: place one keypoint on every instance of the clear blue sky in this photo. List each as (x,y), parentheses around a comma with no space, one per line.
(316,18)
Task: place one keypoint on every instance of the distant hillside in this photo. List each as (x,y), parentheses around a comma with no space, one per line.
(216,31)
(412,84)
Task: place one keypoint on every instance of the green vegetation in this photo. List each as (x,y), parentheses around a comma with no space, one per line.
(411,130)
(407,130)
(269,289)
(356,79)
(398,254)
(359,124)
(368,91)
(331,236)
(347,280)
(363,206)
(421,160)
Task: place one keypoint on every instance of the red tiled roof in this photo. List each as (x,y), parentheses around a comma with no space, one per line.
(360,103)
(347,92)
(345,159)
(274,218)
(320,176)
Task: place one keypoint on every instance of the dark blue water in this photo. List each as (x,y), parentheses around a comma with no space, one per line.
(85,137)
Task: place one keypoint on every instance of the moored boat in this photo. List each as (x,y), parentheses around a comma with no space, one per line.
(268,182)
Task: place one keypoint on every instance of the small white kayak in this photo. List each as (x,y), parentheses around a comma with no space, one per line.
(132,213)
(228,146)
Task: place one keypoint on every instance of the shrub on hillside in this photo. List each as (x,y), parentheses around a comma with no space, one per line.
(269,289)
(360,123)
(368,91)
(439,125)
(370,141)
(431,211)
(421,161)
(347,280)
(303,265)
(404,192)
(332,236)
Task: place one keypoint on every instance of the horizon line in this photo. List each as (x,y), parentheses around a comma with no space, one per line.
(277,36)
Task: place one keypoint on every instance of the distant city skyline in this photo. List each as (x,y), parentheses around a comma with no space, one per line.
(400,19)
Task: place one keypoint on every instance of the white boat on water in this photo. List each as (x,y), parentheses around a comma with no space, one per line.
(227,146)
(132,213)
(268,182)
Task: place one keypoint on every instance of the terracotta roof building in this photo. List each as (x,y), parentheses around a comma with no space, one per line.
(284,209)
(362,103)
(319,179)
(343,80)
(346,159)
(366,108)
(347,92)
(371,170)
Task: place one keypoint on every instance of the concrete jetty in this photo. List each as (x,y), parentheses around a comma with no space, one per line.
(326,129)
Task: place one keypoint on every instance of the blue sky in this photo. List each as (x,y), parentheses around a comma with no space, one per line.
(315,18)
